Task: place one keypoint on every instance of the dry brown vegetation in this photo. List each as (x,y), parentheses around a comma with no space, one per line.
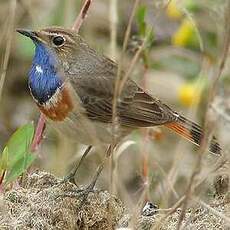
(39,202)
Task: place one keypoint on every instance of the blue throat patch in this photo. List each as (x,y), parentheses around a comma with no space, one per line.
(43,75)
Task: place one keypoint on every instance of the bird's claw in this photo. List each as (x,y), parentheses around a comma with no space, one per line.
(80,193)
(69,178)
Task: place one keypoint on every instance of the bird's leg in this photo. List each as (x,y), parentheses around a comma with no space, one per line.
(85,192)
(100,168)
(72,174)
(90,187)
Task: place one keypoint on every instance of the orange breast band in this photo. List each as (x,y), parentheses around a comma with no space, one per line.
(58,106)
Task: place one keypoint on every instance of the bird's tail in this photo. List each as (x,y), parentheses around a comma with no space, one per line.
(192,132)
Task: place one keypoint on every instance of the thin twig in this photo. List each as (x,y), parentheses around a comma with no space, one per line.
(161,220)
(223,55)
(125,43)
(82,15)
(8,44)
(113,48)
(216,106)
(113,28)
(117,83)
(9,37)
(171,210)
(2,176)
(131,66)
(38,133)
(214,211)
(204,142)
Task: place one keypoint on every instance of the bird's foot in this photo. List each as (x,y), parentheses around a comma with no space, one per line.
(83,193)
(69,178)
(80,193)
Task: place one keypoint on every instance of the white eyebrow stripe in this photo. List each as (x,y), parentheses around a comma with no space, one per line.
(65,36)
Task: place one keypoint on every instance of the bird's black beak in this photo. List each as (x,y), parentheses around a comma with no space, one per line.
(28,33)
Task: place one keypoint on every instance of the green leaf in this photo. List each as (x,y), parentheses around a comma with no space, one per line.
(19,167)
(19,156)
(19,143)
(192,6)
(4,160)
(141,13)
(145,30)
(150,35)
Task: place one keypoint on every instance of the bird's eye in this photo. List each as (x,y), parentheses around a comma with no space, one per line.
(58,40)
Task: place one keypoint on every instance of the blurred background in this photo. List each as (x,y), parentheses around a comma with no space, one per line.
(176,66)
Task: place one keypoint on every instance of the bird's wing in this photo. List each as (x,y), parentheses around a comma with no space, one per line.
(135,108)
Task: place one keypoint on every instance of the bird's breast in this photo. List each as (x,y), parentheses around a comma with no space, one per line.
(59,105)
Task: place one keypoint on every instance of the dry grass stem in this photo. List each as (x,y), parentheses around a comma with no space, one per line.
(204,143)
(120,67)
(82,15)
(9,36)
(113,18)
(214,211)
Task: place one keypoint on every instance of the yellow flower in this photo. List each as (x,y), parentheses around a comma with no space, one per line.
(184,34)
(173,11)
(189,94)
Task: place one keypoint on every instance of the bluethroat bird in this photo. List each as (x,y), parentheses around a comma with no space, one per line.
(73,86)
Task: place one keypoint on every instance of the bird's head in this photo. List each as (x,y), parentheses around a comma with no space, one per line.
(60,55)
(56,53)
(69,50)
(65,44)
